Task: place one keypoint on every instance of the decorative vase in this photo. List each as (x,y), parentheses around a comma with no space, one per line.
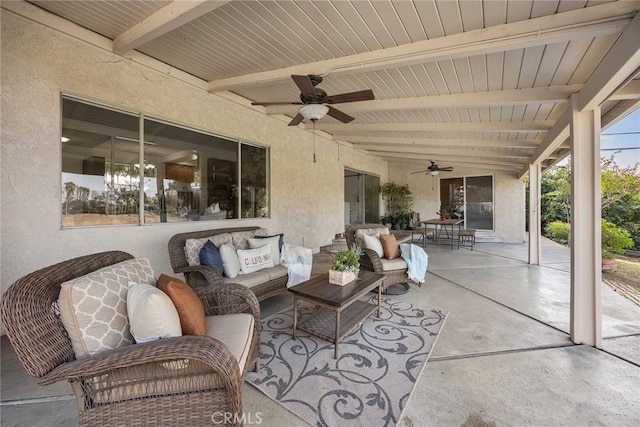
(442,218)
(342,277)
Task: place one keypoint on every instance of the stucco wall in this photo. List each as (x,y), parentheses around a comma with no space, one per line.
(39,63)
(509,192)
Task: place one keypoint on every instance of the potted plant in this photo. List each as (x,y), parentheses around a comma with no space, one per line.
(399,203)
(444,214)
(345,266)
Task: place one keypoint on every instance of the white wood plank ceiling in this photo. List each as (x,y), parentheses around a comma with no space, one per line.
(468,83)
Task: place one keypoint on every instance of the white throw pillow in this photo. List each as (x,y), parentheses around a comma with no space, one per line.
(152,314)
(230,261)
(273,241)
(373,242)
(252,260)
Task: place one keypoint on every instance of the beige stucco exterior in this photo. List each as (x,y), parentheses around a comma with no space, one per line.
(38,64)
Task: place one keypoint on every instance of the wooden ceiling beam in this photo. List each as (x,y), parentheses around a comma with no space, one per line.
(437,152)
(347,128)
(435,142)
(170,17)
(589,22)
(496,98)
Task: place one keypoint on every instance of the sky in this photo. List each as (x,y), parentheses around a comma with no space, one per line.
(626,135)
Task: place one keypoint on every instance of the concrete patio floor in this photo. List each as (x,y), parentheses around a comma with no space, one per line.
(504,357)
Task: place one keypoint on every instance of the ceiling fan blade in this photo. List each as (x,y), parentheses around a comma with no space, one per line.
(305,85)
(361,95)
(446,169)
(339,115)
(418,172)
(296,120)
(276,103)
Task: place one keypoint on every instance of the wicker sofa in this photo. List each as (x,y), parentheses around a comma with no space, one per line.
(263,284)
(395,270)
(172,381)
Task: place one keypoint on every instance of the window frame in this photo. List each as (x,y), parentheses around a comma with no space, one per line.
(142,116)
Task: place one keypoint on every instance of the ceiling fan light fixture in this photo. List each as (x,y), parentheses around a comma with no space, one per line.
(434,173)
(314,112)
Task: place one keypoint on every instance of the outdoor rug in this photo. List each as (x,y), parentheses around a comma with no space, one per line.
(370,382)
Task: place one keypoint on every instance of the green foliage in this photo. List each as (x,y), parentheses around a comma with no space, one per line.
(614,239)
(399,220)
(555,198)
(558,231)
(398,197)
(348,260)
(620,196)
(443,213)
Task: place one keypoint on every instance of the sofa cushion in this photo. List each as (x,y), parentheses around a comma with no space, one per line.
(189,306)
(210,256)
(151,313)
(230,260)
(390,246)
(192,247)
(393,264)
(93,308)
(263,241)
(252,260)
(235,331)
(259,277)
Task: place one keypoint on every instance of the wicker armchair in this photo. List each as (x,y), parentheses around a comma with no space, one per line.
(371,261)
(175,381)
(201,277)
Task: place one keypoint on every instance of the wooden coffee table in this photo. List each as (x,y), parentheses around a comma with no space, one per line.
(341,311)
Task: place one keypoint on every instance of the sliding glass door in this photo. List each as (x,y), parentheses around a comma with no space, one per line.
(361,197)
(469,198)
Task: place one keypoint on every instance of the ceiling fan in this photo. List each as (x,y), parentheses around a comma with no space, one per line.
(433,169)
(314,100)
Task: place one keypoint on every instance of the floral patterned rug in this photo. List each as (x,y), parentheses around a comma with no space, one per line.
(370,382)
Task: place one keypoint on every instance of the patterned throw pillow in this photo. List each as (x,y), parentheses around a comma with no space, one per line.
(240,239)
(192,247)
(252,260)
(93,308)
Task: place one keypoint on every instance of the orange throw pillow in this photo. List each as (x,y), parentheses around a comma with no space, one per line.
(188,304)
(390,246)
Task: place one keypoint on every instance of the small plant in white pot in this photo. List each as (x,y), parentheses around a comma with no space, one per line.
(345,266)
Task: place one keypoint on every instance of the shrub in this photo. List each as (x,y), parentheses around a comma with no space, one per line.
(614,239)
(558,231)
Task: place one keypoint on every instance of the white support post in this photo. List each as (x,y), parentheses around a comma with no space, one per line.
(535,253)
(586,269)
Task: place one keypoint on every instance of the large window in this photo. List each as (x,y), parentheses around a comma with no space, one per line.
(361,197)
(187,175)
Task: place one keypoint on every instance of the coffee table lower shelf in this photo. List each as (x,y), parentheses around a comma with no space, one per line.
(322,324)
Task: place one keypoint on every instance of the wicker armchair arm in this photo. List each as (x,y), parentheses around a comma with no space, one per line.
(230,298)
(207,350)
(371,261)
(211,275)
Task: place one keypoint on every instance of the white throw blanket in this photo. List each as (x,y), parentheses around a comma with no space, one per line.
(417,260)
(298,261)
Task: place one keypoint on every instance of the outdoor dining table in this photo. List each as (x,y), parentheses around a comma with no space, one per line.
(442,225)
